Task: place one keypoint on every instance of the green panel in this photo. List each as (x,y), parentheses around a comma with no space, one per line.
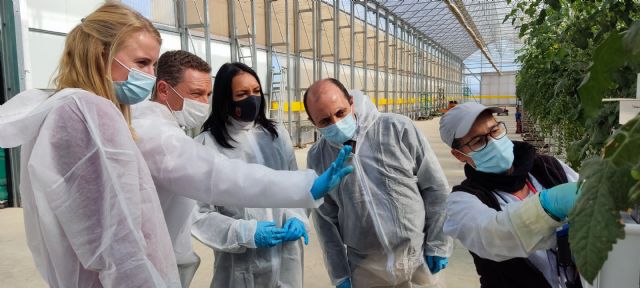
(10,53)
(4,193)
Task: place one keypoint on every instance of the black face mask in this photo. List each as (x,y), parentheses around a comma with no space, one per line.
(246,109)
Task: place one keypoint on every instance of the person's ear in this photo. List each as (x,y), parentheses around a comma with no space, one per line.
(459,155)
(351,106)
(162,91)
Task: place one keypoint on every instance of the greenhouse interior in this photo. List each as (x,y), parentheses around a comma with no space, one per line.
(532,107)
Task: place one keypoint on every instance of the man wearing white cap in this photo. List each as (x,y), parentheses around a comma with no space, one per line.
(507,210)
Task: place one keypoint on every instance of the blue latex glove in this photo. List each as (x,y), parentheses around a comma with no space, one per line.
(436,263)
(559,200)
(344,284)
(268,235)
(332,176)
(295,229)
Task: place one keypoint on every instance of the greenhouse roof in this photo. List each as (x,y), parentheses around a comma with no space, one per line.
(454,23)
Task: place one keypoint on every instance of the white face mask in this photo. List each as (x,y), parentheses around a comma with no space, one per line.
(193,113)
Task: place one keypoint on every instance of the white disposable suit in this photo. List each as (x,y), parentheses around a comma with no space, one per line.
(184,171)
(92,215)
(230,231)
(379,224)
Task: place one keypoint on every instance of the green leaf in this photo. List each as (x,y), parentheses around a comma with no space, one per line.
(555,4)
(541,17)
(510,15)
(609,186)
(531,10)
(601,126)
(632,38)
(523,30)
(608,57)
(634,193)
(581,40)
(595,220)
(623,148)
(577,150)
(635,173)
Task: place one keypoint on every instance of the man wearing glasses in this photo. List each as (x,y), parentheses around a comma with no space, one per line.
(507,210)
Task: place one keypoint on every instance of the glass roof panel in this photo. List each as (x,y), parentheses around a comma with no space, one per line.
(435,20)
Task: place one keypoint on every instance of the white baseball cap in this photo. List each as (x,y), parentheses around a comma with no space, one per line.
(457,122)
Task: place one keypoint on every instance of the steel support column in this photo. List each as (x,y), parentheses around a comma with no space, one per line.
(287,37)
(254,54)
(386,63)
(336,39)
(231,6)
(396,44)
(377,57)
(365,48)
(352,61)
(297,139)
(317,8)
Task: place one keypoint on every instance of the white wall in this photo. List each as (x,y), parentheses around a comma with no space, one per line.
(44,50)
(497,89)
(59,15)
(46,19)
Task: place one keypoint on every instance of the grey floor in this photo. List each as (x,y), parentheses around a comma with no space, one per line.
(17,268)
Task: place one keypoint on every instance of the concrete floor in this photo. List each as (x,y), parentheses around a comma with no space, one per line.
(17,268)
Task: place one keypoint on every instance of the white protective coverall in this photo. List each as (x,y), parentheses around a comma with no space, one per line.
(184,170)
(389,213)
(521,229)
(92,215)
(230,231)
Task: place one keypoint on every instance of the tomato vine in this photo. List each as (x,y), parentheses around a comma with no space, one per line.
(575,54)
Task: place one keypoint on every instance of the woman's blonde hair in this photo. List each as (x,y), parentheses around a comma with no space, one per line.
(90,48)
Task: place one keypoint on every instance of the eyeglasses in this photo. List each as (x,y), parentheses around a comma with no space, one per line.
(480,142)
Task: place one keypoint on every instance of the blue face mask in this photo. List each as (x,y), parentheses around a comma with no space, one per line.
(340,132)
(496,158)
(137,87)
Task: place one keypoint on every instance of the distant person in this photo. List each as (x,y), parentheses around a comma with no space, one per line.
(518,120)
(451,105)
(382,227)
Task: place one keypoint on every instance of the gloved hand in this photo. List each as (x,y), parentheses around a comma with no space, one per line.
(559,200)
(436,263)
(332,176)
(295,229)
(344,284)
(268,235)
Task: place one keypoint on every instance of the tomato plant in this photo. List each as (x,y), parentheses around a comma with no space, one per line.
(575,54)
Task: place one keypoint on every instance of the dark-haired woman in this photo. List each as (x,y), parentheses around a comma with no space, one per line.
(254,247)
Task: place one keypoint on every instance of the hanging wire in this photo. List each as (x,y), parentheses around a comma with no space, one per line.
(193,45)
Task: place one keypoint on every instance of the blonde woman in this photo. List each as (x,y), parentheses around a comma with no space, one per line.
(92,215)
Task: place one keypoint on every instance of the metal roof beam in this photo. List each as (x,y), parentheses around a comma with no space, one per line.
(461,13)
(412,27)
